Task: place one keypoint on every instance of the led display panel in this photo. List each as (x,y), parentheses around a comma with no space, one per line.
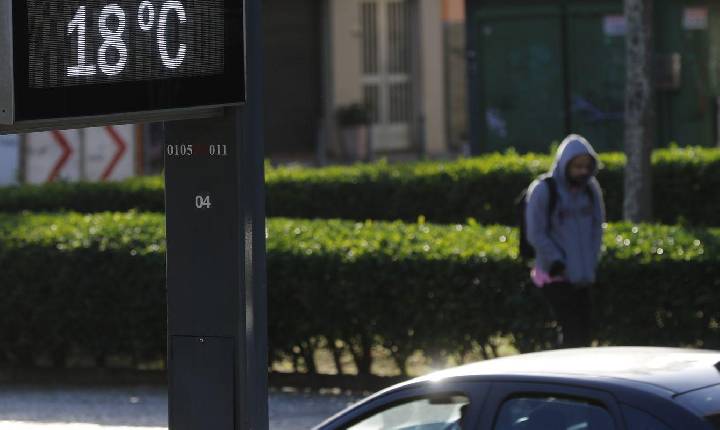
(84,58)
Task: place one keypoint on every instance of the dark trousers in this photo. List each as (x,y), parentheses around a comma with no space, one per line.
(572,309)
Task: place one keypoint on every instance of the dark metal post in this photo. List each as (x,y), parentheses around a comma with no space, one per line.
(217,323)
(476,114)
(253,180)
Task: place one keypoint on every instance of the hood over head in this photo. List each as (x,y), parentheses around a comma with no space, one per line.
(572,146)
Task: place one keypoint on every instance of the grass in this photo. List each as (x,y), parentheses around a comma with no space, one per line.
(418,364)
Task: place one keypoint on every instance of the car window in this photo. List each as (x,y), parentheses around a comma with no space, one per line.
(705,402)
(431,413)
(552,413)
(641,420)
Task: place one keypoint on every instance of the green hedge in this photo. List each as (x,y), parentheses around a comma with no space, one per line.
(686,189)
(686,184)
(143,194)
(94,285)
(89,282)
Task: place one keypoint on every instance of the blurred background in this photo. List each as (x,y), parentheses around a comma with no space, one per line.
(398,134)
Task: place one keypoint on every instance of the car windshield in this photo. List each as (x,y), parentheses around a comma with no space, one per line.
(705,402)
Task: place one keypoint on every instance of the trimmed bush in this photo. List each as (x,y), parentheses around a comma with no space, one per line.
(686,184)
(94,285)
(143,194)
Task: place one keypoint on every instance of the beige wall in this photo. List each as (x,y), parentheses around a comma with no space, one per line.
(454,11)
(432,75)
(346,38)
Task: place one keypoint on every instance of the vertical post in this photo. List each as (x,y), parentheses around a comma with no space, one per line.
(82,154)
(327,134)
(639,110)
(22,163)
(139,156)
(475,104)
(215,274)
(566,72)
(253,180)
(215,218)
(417,128)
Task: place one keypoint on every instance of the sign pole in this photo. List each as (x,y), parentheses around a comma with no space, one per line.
(255,229)
(216,282)
(217,353)
(183,62)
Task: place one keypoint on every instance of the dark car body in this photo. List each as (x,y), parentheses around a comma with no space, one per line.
(624,388)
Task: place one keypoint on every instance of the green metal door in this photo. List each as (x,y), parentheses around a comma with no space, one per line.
(526,52)
(686,114)
(596,69)
(521,78)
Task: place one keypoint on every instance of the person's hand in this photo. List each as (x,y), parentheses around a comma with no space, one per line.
(557,268)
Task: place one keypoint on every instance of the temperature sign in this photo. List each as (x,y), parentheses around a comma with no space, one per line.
(91,58)
(124,40)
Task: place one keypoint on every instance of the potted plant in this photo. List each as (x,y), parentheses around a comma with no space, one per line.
(353,122)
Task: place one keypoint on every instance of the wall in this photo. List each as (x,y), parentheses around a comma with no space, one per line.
(345,29)
(432,75)
(293,65)
(346,65)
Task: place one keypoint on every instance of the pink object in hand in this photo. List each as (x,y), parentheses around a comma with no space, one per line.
(540,278)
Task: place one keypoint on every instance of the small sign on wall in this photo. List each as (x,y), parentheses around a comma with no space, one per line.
(90,154)
(614,25)
(695,18)
(52,156)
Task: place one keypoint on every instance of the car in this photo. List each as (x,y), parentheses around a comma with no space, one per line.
(605,388)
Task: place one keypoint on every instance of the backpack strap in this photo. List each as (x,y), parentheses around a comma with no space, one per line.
(552,198)
(552,203)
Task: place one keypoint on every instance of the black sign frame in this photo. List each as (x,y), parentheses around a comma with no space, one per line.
(95,100)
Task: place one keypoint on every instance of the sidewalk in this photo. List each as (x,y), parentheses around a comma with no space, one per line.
(137,408)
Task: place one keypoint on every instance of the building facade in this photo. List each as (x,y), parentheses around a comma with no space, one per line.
(386,58)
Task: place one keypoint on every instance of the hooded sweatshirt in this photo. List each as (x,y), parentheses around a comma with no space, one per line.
(575,234)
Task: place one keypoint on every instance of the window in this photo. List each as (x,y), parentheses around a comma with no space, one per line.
(431,413)
(705,402)
(641,420)
(552,413)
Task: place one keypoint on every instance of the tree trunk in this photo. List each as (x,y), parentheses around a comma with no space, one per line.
(361,350)
(337,357)
(307,351)
(400,356)
(639,110)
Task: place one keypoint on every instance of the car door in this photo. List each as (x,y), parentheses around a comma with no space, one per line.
(424,406)
(544,406)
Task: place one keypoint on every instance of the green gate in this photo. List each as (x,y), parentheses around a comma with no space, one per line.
(686,114)
(547,70)
(596,73)
(521,81)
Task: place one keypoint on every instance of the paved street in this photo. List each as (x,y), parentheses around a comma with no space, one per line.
(142,408)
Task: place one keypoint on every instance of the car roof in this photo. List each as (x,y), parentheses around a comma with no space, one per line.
(674,369)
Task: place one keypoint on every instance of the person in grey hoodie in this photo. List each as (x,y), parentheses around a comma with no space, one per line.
(567,245)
